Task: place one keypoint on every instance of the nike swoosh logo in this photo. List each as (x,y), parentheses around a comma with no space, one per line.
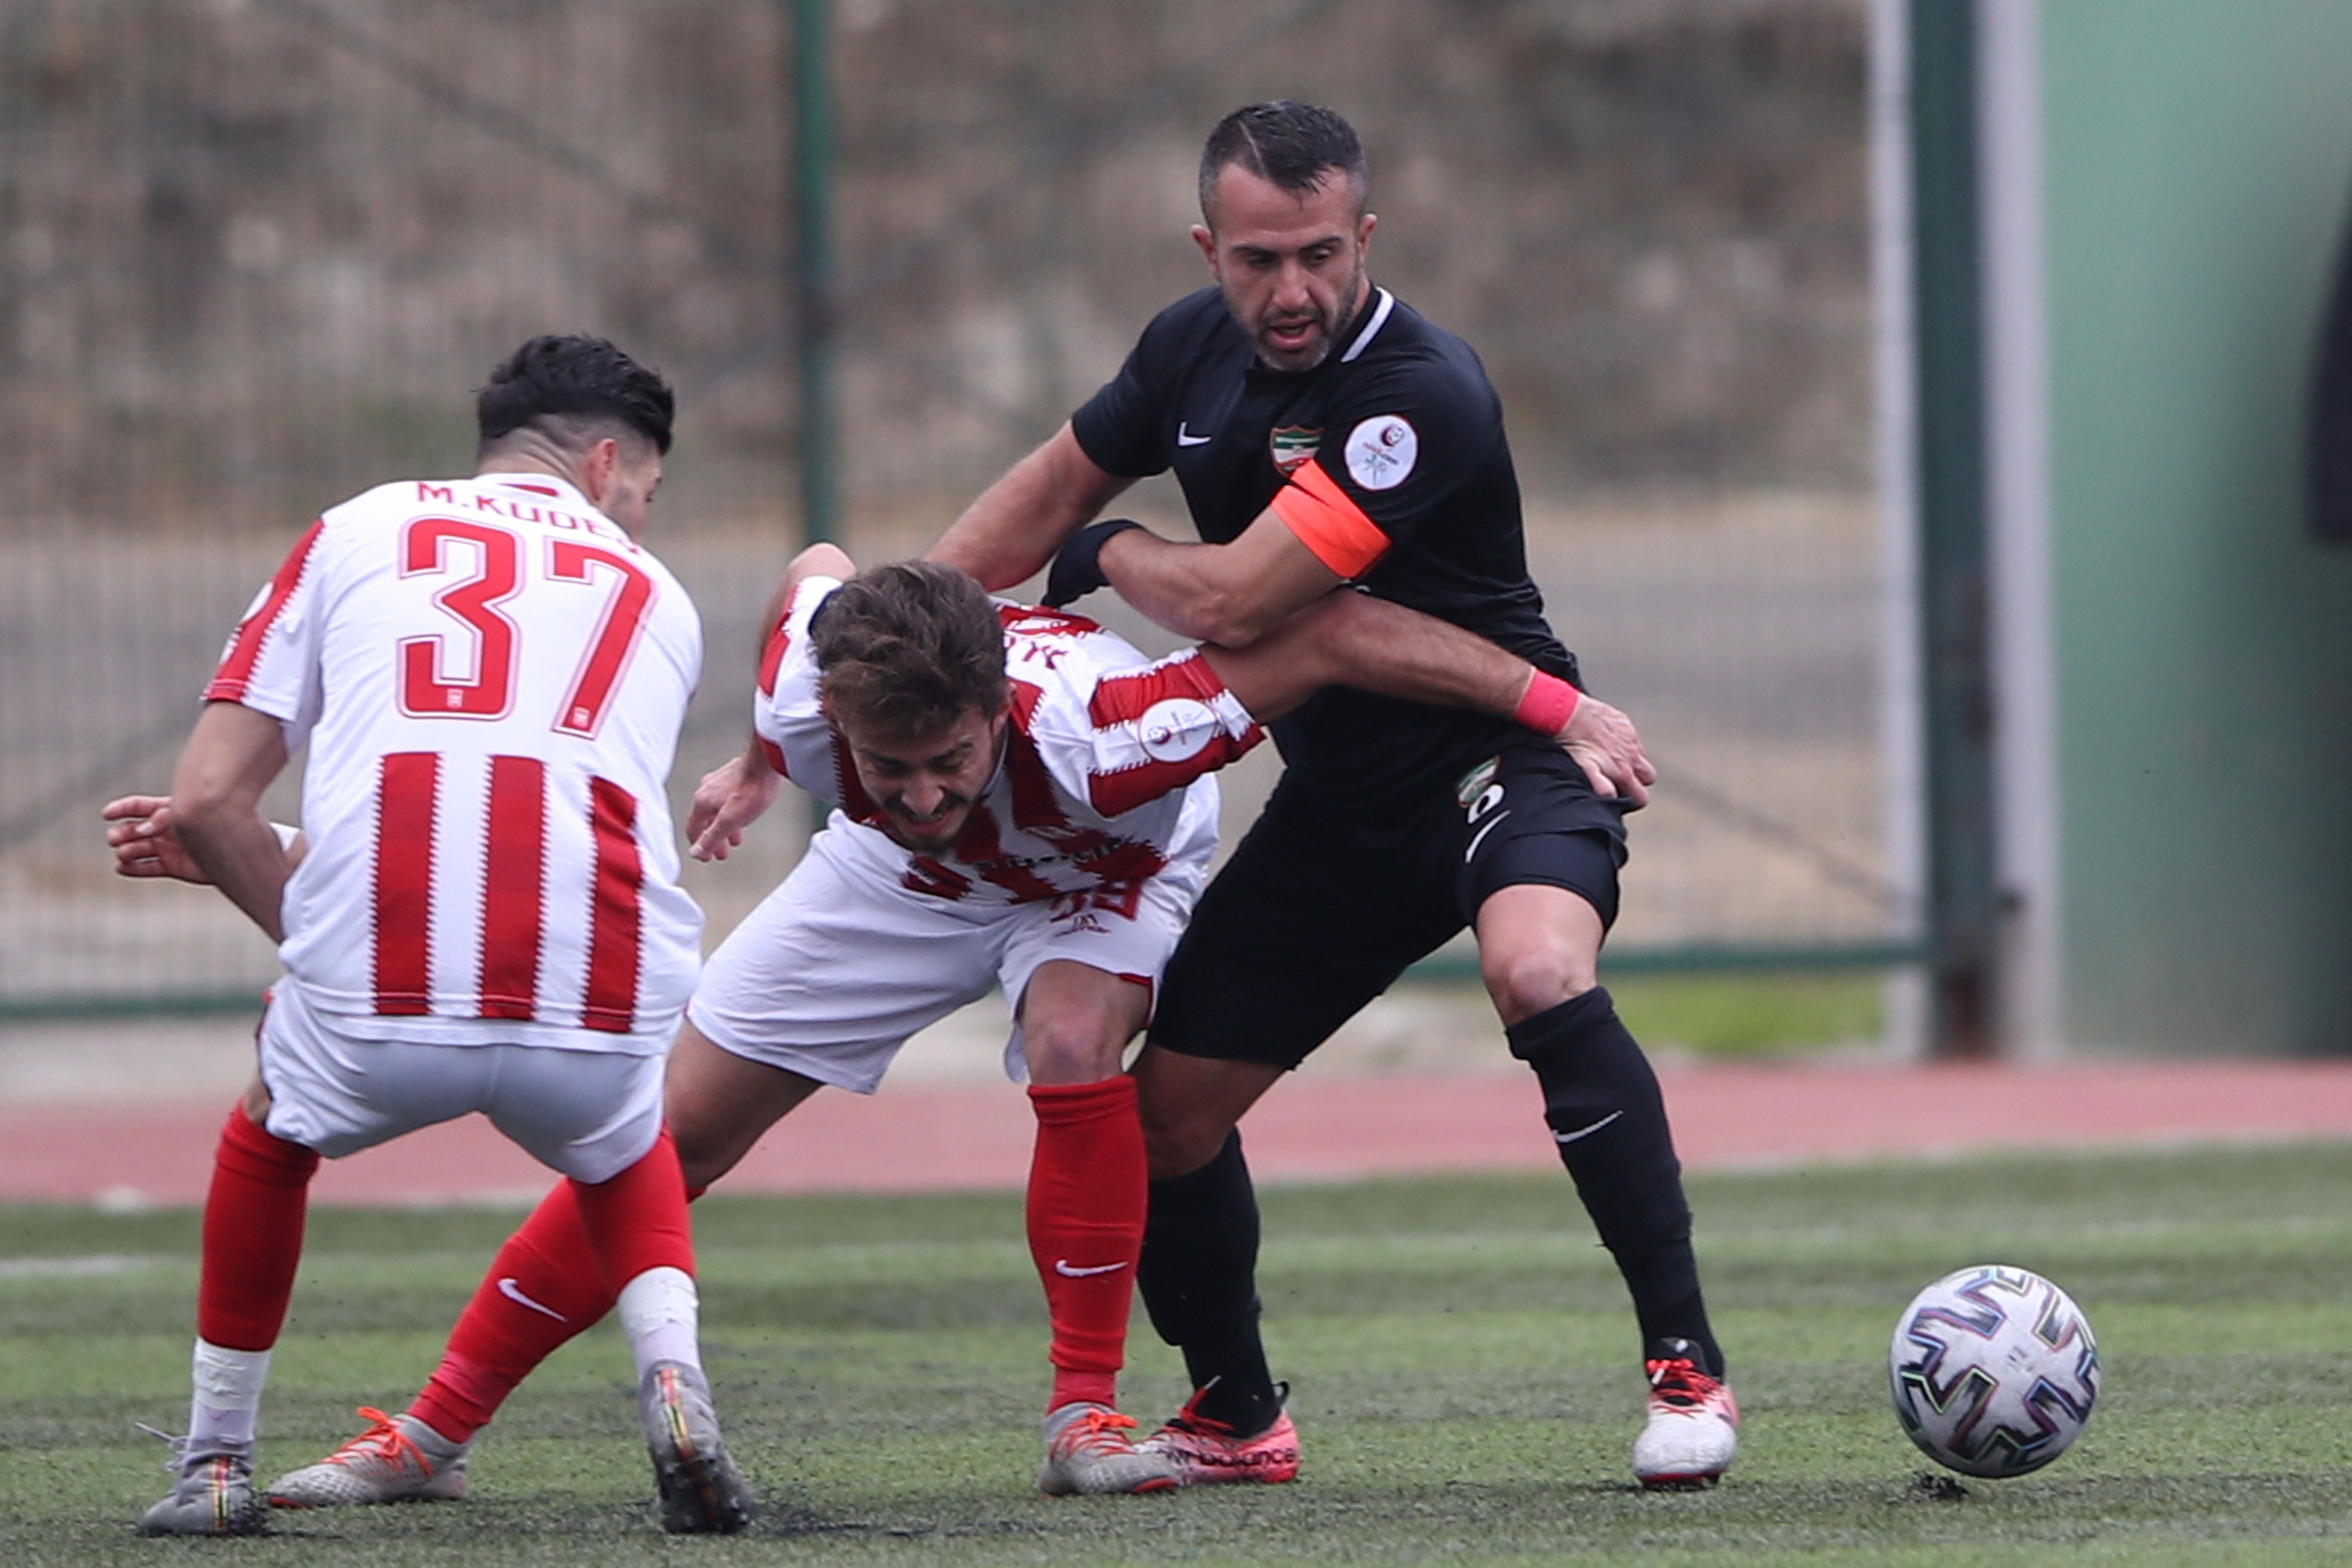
(1480,837)
(1586,1131)
(513,1293)
(1069,1270)
(1184,438)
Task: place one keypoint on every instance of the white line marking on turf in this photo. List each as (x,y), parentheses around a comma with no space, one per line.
(70,1267)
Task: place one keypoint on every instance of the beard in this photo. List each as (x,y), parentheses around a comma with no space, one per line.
(1317,348)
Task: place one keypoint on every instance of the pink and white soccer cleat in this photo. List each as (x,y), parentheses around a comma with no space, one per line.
(1207,1452)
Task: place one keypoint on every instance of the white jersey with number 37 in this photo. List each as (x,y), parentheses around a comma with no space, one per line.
(490,675)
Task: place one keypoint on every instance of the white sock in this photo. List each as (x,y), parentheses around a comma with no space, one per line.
(227,1394)
(661,1313)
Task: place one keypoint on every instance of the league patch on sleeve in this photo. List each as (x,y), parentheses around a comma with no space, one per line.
(1381,452)
(1177,728)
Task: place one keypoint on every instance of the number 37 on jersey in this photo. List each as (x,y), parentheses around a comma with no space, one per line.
(470,673)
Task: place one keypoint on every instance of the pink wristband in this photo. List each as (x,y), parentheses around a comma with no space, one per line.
(1547,705)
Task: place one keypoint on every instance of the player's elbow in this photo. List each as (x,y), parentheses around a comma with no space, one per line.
(821,561)
(1232,619)
(1321,643)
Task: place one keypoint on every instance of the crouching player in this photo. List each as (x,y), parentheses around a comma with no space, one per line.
(483,914)
(1024,803)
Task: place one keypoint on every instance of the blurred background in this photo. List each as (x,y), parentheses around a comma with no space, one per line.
(256,254)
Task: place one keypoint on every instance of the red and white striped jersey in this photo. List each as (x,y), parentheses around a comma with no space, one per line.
(490,675)
(1104,780)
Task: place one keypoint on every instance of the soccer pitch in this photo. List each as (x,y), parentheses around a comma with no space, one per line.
(1460,1354)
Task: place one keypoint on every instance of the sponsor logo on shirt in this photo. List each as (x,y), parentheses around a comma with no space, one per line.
(1291,446)
(1381,452)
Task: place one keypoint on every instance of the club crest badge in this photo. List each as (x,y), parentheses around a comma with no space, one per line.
(1474,783)
(1291,446)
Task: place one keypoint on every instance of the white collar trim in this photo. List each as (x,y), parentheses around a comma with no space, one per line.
(1387,302)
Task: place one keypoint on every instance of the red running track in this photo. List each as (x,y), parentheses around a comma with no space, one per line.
(935,1137)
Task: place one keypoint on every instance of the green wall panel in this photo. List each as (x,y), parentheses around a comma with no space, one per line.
(2198,164)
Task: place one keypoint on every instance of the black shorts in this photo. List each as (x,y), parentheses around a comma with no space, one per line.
(1320,911)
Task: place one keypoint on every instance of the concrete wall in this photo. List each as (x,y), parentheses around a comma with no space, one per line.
(2198,157)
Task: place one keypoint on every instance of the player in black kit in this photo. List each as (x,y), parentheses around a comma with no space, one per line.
(1326,436)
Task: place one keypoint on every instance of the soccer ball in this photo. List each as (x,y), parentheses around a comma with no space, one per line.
(1993,1370)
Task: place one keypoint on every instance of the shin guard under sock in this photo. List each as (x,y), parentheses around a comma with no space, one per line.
(1087,1188)
(637,1220)
(253,1235)
(1199,1276)
(1601,1100)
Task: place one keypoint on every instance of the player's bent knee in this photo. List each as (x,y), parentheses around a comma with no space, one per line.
(703,1160)
(1533,981)
(1073,1062)
(1180,1146)
(1070,1052)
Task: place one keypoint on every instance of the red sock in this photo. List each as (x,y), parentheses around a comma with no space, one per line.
(543,1288)
(1087,1193)
(253,1235)
(637,1220)
(546,1286)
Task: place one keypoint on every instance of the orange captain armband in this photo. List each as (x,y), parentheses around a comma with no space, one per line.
(1328,522)
(1547,704)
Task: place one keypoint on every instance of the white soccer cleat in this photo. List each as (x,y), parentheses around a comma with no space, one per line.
(1694,1427)
(398,1459)
(213,1495)
(1089,1453)
(702,1493)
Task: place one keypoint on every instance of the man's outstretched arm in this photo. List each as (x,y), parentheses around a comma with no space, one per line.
(1229,594)
(1011,531)
(733,796)
(1354,639)
(215,810)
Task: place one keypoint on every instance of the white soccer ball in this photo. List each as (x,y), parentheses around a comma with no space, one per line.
(1994,1370)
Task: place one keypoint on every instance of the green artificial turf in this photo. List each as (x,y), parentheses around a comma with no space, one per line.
(1461,1359)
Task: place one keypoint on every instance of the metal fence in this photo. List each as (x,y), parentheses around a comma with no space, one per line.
(255,253)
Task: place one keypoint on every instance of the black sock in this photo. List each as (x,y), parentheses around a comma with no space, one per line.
(1602,1102)
(1199,1278)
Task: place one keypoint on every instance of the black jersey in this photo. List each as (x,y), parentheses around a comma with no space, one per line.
(1388,460)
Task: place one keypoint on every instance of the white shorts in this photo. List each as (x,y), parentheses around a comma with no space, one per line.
(838,966)
(590,1113)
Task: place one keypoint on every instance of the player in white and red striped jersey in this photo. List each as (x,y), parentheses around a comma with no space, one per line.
(1024,805)
(491,675)
(482,911)
(1096,786)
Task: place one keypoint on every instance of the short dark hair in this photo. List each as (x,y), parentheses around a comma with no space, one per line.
(1292,144)
(553,382)
(908,649)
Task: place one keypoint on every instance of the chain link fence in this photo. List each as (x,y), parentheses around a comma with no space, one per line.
(254,254)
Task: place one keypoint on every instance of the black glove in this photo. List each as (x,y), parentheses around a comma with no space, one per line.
(1078,567)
